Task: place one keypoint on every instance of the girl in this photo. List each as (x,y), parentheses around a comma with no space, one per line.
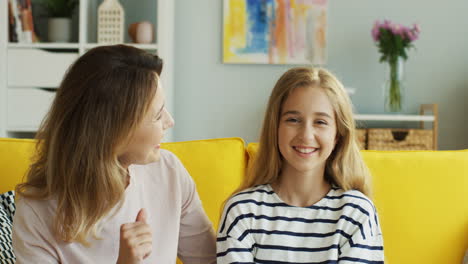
(305,198)
(100,189)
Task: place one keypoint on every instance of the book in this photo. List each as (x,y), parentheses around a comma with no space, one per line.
(22,9)
(12,35)
(16,31)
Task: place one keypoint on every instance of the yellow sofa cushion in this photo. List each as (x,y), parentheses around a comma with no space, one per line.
(15,157)
(422,202)
(217,167)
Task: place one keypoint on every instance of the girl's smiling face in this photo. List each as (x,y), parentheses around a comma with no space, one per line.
(307,130)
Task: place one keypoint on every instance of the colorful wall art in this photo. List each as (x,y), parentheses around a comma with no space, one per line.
(275,31)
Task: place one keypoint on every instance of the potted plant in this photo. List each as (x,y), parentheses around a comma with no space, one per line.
(59,22)
(393,41)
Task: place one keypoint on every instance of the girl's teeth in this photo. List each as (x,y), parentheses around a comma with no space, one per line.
(305,151)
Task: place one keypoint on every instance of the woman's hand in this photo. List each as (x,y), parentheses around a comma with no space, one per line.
(135,240)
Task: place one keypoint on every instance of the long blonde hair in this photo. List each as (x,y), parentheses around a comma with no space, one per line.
(345,167)
(101,100)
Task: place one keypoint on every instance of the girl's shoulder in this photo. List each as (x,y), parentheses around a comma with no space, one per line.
(256,193)
(351,202)
(349,196)
(249,200)
(243,204)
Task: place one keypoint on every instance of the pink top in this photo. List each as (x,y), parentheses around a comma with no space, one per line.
(167,192)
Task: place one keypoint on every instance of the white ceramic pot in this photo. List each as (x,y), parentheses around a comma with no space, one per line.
(59,29)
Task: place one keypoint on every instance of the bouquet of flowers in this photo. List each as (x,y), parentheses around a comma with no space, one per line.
(393,41)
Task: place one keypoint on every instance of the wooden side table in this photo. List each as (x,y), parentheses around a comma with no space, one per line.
(428,113)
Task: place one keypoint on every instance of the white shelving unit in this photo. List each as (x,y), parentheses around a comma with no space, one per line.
(3,65)
(29,72)
(42,46)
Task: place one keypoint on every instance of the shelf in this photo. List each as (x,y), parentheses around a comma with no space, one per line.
(43,45)
(73,45)
(14,129)
(426,118)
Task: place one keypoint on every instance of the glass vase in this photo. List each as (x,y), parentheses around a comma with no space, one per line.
(394,86)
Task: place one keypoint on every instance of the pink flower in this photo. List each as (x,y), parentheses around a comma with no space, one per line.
(376,31)
(387,24)
(410,35)
(397,29)
(405,33)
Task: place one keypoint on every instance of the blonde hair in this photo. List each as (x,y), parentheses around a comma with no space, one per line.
(345,167)
(101,100)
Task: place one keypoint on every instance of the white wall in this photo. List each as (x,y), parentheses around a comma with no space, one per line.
(215,100)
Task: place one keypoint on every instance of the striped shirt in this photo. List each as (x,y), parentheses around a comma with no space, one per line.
(258,227)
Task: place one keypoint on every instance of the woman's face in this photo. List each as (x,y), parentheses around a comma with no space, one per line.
(144,145)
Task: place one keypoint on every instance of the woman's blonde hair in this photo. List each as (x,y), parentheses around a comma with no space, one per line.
(345,167)
(100,102)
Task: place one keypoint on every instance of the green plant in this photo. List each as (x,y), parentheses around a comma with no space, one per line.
(60,8)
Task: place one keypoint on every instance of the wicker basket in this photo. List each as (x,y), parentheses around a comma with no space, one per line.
(399,139)
(361,138)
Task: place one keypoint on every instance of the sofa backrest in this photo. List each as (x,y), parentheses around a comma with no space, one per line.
(15,156)
(422,201)
(421,196)
(217,167)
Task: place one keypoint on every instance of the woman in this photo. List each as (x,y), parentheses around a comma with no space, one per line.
(100,189)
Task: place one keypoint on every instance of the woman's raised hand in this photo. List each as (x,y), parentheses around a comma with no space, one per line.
(135,240)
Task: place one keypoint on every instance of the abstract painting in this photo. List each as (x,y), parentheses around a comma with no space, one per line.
(275,31)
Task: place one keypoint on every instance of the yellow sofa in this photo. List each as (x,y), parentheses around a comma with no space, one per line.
(421,196)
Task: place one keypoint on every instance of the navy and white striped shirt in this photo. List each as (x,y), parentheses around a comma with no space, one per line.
(258,227)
